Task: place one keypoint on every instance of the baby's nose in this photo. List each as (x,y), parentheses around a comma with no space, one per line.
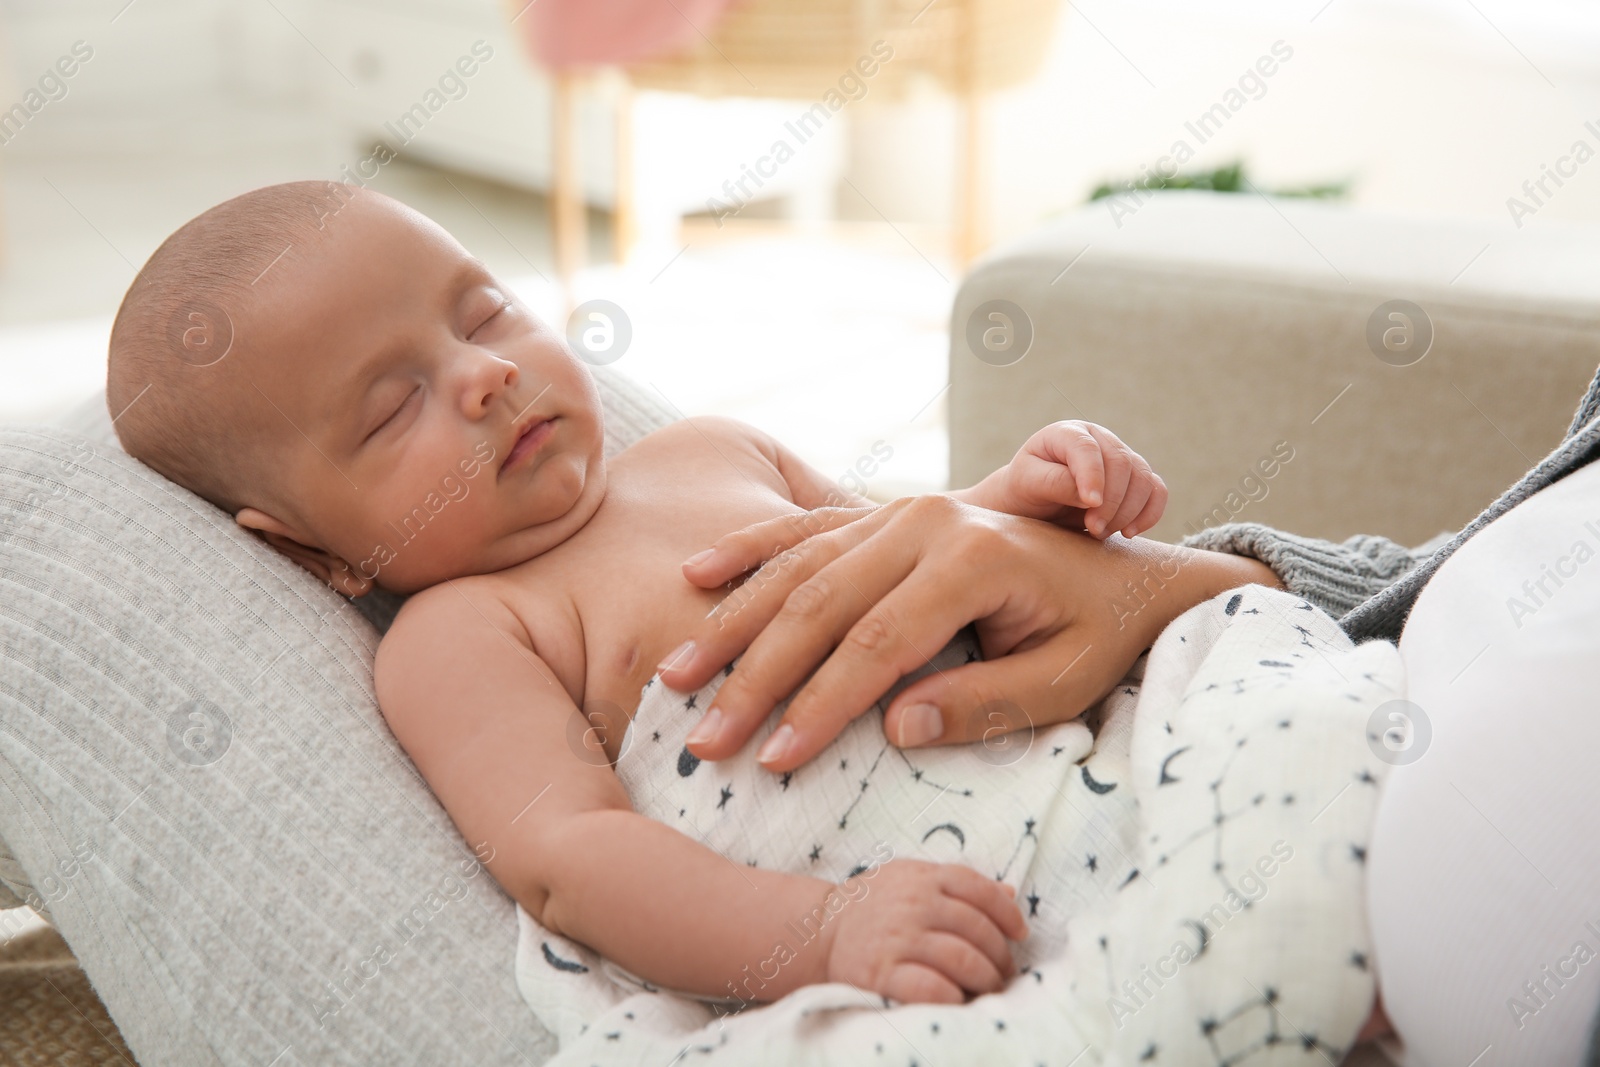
(499,376)
(509,378)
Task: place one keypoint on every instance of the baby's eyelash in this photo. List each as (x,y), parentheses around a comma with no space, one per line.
(497,311)
(392,415)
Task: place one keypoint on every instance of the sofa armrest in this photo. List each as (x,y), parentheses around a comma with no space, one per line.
(1225,338)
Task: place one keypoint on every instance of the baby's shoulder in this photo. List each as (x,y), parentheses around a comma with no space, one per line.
(718,435)
(472,604)
(712,427)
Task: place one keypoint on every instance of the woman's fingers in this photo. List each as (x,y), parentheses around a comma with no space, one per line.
(884,625)
(817,615)
(848,614)
(1000,702)
(743,614)
(735,553)
(790,623)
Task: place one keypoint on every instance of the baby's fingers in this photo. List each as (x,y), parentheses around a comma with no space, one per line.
(742,550)
(1074,447)
(989,897)
(1119,477)
(1153,508)
(1132,505)
(958,961)
(916,983)
(978,930)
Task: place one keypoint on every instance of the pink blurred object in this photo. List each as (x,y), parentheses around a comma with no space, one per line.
(579,33)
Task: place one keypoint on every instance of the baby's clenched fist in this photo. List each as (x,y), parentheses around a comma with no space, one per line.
(1078,475)
(921,932)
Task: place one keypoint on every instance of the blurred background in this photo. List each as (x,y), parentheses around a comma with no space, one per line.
(780,197)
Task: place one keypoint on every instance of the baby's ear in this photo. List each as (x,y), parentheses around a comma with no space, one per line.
(329,569)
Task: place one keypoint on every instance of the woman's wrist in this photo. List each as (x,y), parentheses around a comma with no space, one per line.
(1171,579)
(1242,570)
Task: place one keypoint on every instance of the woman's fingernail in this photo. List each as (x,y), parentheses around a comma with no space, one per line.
(678,658)
(919,724)
(706,729)
(699,557)
(777,745)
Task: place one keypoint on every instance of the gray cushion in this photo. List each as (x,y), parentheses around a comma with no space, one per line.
(196,782)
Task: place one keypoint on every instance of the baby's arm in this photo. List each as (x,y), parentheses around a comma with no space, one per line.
(1076,474)
(514,763)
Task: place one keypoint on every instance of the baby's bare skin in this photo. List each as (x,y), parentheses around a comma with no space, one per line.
(401,378)
(601,607)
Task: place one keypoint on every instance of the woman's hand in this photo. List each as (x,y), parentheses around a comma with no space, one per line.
(871,594)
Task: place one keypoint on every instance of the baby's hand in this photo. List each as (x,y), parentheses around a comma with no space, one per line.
(925,933)
(1080,475)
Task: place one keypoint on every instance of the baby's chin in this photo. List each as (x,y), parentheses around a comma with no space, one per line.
(468,556)
(486,557)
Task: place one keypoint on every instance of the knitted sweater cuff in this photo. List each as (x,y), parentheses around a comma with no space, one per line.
(1334,577)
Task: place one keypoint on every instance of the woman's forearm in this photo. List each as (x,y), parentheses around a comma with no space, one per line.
(1156,583)
(674,912)
(1226,572)
(1335,576)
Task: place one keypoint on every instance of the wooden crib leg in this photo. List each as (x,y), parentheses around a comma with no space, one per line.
(567,222)
(623,223)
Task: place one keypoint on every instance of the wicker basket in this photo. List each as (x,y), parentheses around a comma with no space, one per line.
(801,48)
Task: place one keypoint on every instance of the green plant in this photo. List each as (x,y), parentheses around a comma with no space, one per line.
(1225,179)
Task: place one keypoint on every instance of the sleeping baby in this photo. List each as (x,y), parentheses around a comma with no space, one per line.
(335,371)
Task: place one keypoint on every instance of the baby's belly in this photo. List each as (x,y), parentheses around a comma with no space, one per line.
(861,802)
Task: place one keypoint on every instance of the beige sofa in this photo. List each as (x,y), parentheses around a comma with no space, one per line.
(1225,337)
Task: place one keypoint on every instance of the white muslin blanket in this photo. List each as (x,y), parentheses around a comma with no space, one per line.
(1192,871)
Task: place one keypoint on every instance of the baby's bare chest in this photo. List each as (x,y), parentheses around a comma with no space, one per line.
(608,604)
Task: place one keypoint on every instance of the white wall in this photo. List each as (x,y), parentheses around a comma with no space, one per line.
(1430,106)
(1423,103)
(151,60)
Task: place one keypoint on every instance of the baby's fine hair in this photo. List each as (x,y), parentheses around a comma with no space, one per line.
(179,395)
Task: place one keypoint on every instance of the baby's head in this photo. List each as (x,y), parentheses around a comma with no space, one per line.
(334,370)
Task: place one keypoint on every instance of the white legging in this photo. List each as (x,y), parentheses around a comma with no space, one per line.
(1484,868)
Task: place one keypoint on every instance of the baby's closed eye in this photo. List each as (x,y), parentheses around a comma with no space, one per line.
(393,415)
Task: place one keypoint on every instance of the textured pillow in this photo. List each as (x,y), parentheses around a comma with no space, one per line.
(196,783)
